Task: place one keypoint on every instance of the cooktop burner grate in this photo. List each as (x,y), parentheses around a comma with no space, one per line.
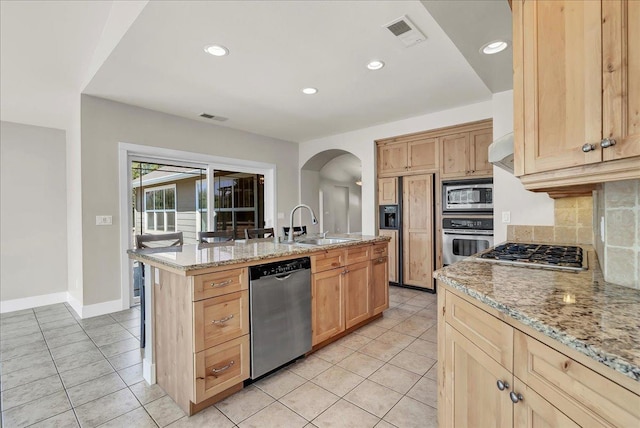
(537,255)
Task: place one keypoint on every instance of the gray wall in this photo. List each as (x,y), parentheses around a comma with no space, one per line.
(33,197)
(105,124)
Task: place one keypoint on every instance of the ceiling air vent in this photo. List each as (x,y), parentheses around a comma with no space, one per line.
(405,31)
(212,117)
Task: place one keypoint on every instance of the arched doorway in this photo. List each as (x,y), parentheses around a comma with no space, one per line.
(331,184)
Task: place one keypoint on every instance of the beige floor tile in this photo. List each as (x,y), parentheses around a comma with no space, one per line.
(396,339)
(412,326)
(361,364)
(280,383)
(384,424)
(164,411)
(380,350)
(410,308)
(74,348)
(36,411)
(55,342)
(433,372)
(209,417)
(18,351)
(128,314)
(31,391)
(120,347)
(409,413)
(244,403)
(137,418)
(386,322)
(63,331)
(345,415)
(86,373)
(275,415)
(63,420)
(13,342)
(334,353)
(354,341)
(24,362)
(430,315)
(132,374)
(104,409)
(94,332)
(309,367)
(146,393)
(20,329)
(425,391)
(395,378)
(81,359)
(126,359)
(413,362)
(337,380)
(424,348)
(398,313)
(431,335)
(57,321)
(108,338)
(95,322)
(94,389)
(309,400)
(373,398)
(28,375)
(371,331)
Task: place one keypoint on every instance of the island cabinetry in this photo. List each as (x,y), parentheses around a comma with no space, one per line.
(327,308)
(494,375)
(576,92)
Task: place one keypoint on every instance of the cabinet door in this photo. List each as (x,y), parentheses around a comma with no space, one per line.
(455,155)
(392,253)
(388,191)
(220,319)
(558,102)
(379,285)
(472,398)
(392,158)
(536,412)
(479,142)
(357,293)
(327,310)
(621,77)
(423,155)
(417,220)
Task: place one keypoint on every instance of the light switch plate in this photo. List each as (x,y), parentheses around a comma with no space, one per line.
(104,220)
(506,216)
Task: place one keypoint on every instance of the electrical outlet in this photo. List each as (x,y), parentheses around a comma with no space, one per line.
(506,216)
(104,220)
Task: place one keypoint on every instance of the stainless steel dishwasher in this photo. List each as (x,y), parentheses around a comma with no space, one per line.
(280,311)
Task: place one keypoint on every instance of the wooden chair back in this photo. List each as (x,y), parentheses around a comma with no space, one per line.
(217,236)
(159,240)
(259,233)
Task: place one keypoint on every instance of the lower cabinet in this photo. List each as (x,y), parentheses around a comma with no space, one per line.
(327,309)
(379,285)
(357,292)
(497,376)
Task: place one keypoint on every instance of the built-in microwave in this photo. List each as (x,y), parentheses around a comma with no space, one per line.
(468,196)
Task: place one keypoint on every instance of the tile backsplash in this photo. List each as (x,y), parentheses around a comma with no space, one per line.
(617,220)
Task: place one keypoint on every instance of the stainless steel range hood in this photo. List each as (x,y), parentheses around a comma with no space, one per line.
(501,152)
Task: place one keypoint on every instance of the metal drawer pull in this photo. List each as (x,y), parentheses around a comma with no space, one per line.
(222,320)
(223,369)
(588,147)
(502,385)
(380,260)
(515,397)
(221,284)
(607,142)
(379,250)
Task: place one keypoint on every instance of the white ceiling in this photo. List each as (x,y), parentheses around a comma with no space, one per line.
(277,48)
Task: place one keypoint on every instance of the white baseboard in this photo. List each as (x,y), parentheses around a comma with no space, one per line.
(84,311)
(32,302)
(149,371)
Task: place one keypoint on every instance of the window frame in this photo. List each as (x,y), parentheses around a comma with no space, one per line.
(162,212)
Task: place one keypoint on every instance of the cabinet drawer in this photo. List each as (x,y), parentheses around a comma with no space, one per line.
(220,319)
(380,249)
(221,367)
(486,331)
(358,254)
(327,260)
(219,283)
(585,396)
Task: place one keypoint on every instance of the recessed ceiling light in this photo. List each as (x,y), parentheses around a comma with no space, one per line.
(494,47)
(375,65)
(216,50)
(309,91)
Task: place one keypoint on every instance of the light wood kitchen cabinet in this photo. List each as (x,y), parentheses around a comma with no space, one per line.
(220,319)
(418,231)
(497,375)
(392,253)
(412,156)
(387,191)
(221,367)
(328,307)
(466,154)
(380,285)
(357,293)
(576,74)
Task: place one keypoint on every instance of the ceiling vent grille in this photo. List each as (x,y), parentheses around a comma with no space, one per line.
(212,117)
(405,31)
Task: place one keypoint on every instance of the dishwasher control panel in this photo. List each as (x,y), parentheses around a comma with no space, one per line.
(279,268)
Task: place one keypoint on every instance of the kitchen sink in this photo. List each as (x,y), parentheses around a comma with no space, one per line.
(322,241)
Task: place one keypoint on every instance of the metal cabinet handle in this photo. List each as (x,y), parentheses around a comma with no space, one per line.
(380,260)
(607,142)
(502,385)
(379,250)
(221,284)
(344,272)
(222,320)
(222,369)
(515,397)
(588,147)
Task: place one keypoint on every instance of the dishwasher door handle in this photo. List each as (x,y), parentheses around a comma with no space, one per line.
(282,278)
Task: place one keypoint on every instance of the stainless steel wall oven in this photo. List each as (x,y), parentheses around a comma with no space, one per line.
(463,237)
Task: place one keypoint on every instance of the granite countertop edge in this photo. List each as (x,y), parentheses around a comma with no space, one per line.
(610,360)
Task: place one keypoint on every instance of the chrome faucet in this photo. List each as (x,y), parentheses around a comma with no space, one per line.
(314,220)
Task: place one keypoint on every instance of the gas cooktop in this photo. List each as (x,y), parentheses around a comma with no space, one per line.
(564,257)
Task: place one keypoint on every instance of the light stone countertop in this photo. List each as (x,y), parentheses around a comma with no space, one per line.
(601,321)
(193,257)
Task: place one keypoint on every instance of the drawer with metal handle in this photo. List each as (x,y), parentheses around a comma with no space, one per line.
(219,283)
(220,319)
(221,367)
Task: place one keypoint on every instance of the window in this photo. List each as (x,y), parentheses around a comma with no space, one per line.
(202,219)
(160,209)
(238,201)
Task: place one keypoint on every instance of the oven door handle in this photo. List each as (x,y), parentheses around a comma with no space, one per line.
(467,232)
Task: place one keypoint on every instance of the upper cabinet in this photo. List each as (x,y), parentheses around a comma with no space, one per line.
(576,92)
(466,154)
(414,156)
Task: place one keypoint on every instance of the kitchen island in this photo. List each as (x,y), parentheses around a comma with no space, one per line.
(197,310)
(521,346)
